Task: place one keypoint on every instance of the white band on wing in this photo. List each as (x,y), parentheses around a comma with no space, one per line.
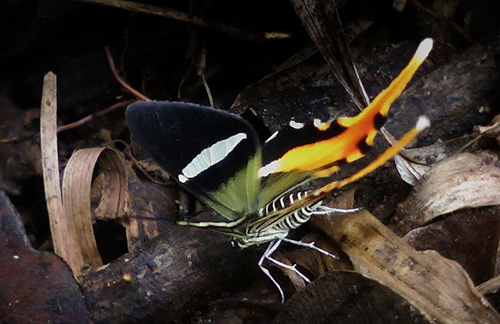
(210,156)
(269,168)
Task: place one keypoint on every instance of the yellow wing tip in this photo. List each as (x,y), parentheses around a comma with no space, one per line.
(423,122)
(424,49)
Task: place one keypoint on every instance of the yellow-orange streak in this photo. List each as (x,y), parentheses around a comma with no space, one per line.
(422,124)
(344,146)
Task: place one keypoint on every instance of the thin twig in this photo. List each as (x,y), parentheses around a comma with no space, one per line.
(127,87)
(90,117)
(71,125)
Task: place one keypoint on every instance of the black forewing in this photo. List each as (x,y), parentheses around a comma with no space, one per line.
(289,137)
(175,133)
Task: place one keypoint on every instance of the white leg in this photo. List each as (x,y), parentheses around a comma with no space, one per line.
(289,267)
(270,250)
(310,246)
(325,210)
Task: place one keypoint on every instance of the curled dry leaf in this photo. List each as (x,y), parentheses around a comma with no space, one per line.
(490,286)
(76,191)
(462,181)
(437,287)
(113,184)
(70,206)
(77,184)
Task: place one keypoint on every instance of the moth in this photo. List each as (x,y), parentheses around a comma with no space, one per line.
(217,156)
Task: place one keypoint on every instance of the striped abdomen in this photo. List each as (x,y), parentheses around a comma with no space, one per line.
(292,220)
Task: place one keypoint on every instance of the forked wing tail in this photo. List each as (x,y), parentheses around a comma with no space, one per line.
(323,145)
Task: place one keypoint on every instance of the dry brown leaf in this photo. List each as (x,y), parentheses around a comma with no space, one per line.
(462,181)
(77,183)
(113,185)
(70,207)
(439,288)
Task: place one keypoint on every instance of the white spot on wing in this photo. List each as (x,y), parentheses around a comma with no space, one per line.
(272,136)
(318,123)
(295,124)
(211,156)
